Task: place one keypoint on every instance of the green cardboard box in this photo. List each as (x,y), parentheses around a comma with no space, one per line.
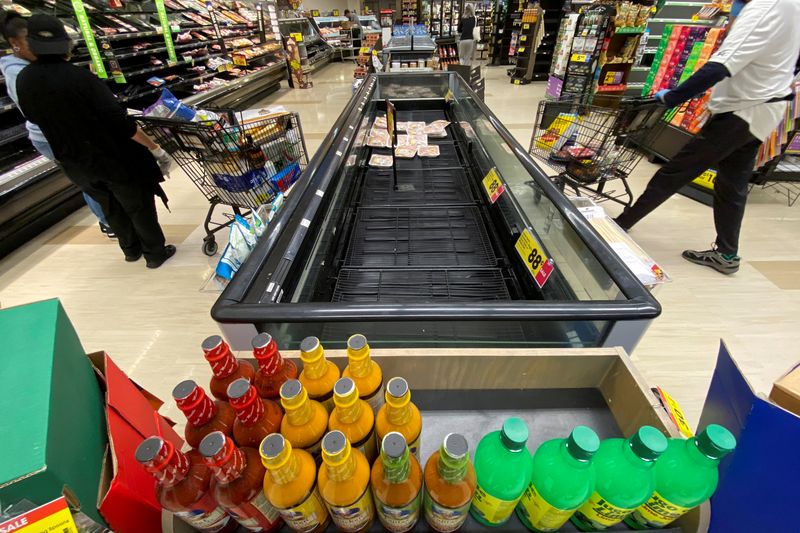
(52,423)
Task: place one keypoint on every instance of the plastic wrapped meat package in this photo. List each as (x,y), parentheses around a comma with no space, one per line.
(378,160)
(428,151)
(380,122)
(415,127)
(379,139)
(405,152)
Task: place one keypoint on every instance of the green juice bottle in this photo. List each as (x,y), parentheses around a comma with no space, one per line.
(625,479)
(563,479)
(686,476)
(503,467)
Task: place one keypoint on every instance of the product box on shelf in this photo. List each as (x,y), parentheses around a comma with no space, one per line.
(54,432)
(126,497)
(786,391)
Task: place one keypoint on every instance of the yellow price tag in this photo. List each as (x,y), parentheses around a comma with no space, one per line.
(539,265)
(298,37)
(364,50)
(516,82)
(695,18)
(295,64)
(494,187)
(448,96)
(676,414)
(335,12)
(706,179)
(53,516)
(526,26)
(240,61)
(523,38)
(521,49)
(578,58)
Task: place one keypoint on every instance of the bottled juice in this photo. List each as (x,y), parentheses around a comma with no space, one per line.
(353,417)
(399,414)
(562,480)
(273,370)
(344,484)
(305,421)
(256,417)
(183,485)
(319,375)
(449,485)
(239,482)
(503,468)
(625,479)
(365,372)
(291,485)
(397,485)
(686,476)
(203,415)
(225,367)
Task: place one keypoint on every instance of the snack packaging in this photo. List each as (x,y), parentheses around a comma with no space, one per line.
(405,152)
(428,151)
(579,152)
(378,160)
(169,106)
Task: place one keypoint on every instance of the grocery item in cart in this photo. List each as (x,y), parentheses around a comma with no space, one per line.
(378,160)
(405,152)
(580,152)
(428,151)
(559,131)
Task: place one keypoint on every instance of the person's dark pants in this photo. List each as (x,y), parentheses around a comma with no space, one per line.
(724,143)
(131,213)
(355,35)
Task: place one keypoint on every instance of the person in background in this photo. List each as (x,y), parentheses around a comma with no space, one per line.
(466,43)
(752,78)
(100,146)
(14,29)
(355,27)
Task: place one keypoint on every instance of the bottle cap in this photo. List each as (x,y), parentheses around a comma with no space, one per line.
(184,389)
(212,342)
(455,445)
(393,445)
(397,392)
(275,451)
(310,349)
(238,388)
(582,443)
(149,449)
(262,341)
(357,347)
(292,394)
(514,434)
(335,448)
(345,392)
(715,441)
(648,443)
(212,444)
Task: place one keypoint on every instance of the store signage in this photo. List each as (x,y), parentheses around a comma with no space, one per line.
(526,26)
(172,59)
(532,254)
(521,49)
(88,38)
(335,12)
(298,37)
(675,413)
(493,186)
(314,13)
(113,63)
(706,179)
(448,96)
(53,516)
(260,16)
(215,22)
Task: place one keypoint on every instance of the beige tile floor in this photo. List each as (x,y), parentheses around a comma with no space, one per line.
(152,322)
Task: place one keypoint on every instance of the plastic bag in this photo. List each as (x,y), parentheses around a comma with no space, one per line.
(260,219)
(169,106)
(241,241)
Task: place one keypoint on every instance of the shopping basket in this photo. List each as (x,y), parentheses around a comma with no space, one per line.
(593,142)
(234,161)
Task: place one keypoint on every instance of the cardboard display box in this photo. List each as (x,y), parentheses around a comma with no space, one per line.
(786,391)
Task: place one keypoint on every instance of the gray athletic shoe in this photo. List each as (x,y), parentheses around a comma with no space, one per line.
(713,258)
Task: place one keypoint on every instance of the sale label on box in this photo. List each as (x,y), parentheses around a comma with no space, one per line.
(50,517)
(539,265)
(494,187)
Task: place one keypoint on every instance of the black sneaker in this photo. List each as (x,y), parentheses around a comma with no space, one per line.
(169,251)
(107,231)
(133,258)
(714,259)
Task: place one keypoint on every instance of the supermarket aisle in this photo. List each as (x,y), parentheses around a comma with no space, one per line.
(143,316)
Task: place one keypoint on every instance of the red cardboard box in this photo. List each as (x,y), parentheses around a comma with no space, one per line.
(127,492)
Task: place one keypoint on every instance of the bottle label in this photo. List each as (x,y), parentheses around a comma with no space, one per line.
(658,512)
(351,518)
(541,515)
(398,519)
(444,519)
(492,510)
(375,400)
(257,514)
(600,514)
(205,521)
(306,516)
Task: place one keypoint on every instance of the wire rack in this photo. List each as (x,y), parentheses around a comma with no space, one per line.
(591,144)
(782,176)
(234,161)
(437,186)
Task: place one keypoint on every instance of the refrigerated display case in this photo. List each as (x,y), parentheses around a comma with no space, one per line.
(315,53)
(331,30)
(430,260)
(369,24)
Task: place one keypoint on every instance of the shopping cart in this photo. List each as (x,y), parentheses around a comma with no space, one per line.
(593,143)
(234,161)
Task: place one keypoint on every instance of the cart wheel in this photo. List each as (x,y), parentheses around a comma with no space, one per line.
(210,247)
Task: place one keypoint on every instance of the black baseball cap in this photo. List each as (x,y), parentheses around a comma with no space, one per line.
(47,36)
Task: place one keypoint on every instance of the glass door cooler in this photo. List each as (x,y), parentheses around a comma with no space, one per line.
(439,255)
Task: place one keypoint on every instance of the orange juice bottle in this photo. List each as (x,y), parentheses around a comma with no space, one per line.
(291,485)
(449,485)
(365,372)
(397,485)
(305,421)
(353,417)
(344,484)
(318,375)
(399,414)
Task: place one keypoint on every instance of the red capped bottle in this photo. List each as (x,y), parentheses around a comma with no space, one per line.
(255,417)
(273,369)
(225,366)
(183,485)
(238,483)
(203,415)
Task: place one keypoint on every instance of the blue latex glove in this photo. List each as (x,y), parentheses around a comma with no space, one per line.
(661,94)
(736,7)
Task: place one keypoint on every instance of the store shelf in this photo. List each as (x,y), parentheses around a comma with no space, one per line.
(14,133)
(235,85)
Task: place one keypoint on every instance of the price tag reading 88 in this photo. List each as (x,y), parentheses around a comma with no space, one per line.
(539,265)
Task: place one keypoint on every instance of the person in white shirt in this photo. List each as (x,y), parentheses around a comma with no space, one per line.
(752,75)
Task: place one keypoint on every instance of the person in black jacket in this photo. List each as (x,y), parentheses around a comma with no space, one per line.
(466,44)
(101,148)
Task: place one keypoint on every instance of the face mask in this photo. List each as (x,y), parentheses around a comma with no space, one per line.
(736,8)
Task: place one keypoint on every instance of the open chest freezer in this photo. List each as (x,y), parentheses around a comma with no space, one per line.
(427,259)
